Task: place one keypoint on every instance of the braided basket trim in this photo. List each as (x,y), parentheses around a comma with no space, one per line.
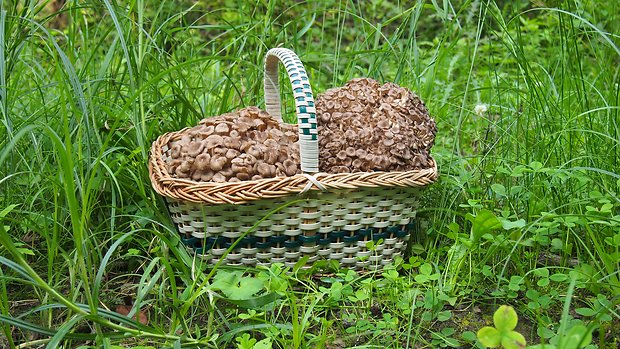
(246,191)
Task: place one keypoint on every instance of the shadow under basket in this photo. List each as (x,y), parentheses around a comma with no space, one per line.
(360,228)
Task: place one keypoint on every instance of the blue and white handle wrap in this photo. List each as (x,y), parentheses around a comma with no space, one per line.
(304,103)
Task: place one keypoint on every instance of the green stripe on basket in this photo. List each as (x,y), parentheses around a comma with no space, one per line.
(322,239)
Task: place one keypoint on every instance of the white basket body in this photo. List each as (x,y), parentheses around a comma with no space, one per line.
(328,225)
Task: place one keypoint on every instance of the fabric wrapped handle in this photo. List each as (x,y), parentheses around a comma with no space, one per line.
(304,103)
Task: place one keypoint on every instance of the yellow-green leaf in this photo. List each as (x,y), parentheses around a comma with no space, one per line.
(505,319)
(489,337)
(513,340)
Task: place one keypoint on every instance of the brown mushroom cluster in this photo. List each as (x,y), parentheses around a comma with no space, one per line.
(365,126)
(244,145)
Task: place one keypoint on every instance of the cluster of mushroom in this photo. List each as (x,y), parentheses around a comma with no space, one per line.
(365,126)
(244,145)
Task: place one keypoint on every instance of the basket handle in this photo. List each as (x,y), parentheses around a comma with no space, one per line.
(304,103)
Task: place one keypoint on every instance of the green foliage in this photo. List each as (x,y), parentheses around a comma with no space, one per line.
(236,286)
(505,319)
(526,99)
(245,342)
(504,334)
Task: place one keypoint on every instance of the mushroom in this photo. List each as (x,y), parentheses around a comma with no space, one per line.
(213,141)
(172,165)
(290,167)
(196,175)
(218,162)
(218,178)
(206,176)
(194,148)
(366,126)
(271,155)
(237,146)
(244,176)
(239,165)
(232,153)
(183,170)
(175,150)
(265,170)
(340,169)
(199,132)
(202,162)
(255,150)
(227,172)
(232,142)
(221,129)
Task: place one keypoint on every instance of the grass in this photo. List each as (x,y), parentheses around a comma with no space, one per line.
(526,212)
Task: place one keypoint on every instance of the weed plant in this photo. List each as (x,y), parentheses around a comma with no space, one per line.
(526,212)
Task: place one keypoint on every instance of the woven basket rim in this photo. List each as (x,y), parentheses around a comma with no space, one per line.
(269,188)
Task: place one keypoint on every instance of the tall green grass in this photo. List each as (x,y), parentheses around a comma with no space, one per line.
(81,100)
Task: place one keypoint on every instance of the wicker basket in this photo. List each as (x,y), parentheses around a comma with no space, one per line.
(363,220)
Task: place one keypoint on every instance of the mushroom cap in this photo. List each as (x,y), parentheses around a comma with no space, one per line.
(195,147)
(217,163)
(214,141)
(202,162)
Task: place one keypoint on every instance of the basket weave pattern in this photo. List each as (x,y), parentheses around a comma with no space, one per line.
(331,225)
(363,220)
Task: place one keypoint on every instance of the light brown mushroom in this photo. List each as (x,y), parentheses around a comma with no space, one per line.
(202,162)
(340,169)
(265,170)
(271,155)
(227,172)
(255,150)
(233,142)
(175,150)
(172,165)
(196,175)
(206,176)
(236,146)
(244,176)
(217,163)
(238,165)
(271,143)
(232,153)
(290,167)
(214,141)
(388,142)
(195,147)
(218,178)
(183,169)
(221,129)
